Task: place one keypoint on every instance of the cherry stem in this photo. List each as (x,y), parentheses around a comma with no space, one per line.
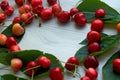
(31,68)
(75,73)
(32,75)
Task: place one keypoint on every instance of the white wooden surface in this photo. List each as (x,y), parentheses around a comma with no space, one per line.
(60,40)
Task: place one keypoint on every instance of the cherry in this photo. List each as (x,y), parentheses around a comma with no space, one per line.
(44,62)
(37,9)
(85,78)
(2,17)
(29,1)
(3,39)
(24,9)
(71,62)
(4,4)
(30,65)
(73,11)
(93,36)
(11,41)
(19,2)
(15,48)
(51,2)
(9,10)
(36,2)
(118,27)
(17,29)
(100,13)
(116,65)
(91,61)
(63,16)
(91,73)
(80,19)
(56,8)
(27,18)
(46,14)
(56,74)
(16,20)
(94,47)
(97,25)
(16,64)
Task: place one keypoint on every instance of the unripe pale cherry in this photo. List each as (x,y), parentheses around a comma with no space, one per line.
(3,39)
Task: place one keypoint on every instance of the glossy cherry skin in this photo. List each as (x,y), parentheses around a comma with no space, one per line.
(11,41)
(71,62)
(91,73)
(94,47)
(73,11)
(3,39)
(63,16)
(118,27)
(16,20)
(2,17)
(16,64)
(19,2)
(15,48)
(97,25)
(51,2)
(80,19)
(91,61)
(116,65)
(85,78)
(37,9)
(100,13)
(46,14)
(9,10)
(24,9)
(93,36)
(56,74)
(56,8)
(30,65)
(44,62)
(36,2)
(4,4)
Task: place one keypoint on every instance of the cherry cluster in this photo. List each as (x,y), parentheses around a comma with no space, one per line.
(6,10)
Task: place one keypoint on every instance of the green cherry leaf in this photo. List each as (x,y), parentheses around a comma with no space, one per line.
(107,68)
(10,77)
(107,43)
(8,33)
(29,55)
(90,6)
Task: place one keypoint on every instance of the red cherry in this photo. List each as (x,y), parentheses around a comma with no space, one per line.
(51,2)
(16,64)
(15,48)
(29,1)
(36,2)
(11,41)
(91,61)
(85,78)
(16,20)
(37,9)
(73,11)
(91,73)
(100,13)
(9,10)
(27,18)
(94,47)
(44,62)
(56,74)
(93,36)
(2,17)
(116,65)
(63,16)
(80,19)
(4,4)
(97,25)
(46,14)
(72,61)
(30,65)
(24,9)
(56,8)
(19,2)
